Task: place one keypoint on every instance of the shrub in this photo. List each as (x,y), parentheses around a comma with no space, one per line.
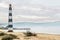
(30,34)
(10,31)
(2,33)
(9,37)
(34,34)
(14,36)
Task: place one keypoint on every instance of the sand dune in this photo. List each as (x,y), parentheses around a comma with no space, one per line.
(40,36)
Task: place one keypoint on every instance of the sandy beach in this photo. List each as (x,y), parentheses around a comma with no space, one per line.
(40,36)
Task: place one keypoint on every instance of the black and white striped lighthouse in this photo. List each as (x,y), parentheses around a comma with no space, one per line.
(10,21)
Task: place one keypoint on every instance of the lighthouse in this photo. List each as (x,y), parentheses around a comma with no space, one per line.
(10,21)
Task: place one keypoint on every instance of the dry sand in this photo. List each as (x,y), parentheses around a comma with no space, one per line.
(40,36)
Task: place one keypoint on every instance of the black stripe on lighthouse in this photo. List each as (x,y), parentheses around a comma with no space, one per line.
(10,21)
(10,14)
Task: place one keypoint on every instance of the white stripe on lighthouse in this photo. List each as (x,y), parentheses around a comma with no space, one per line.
(10,29)
(10,17)
(10,11)
(10,23)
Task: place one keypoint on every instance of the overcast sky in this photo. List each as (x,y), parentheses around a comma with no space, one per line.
(31,10)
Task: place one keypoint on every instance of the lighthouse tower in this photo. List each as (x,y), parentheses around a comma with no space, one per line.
(10,21)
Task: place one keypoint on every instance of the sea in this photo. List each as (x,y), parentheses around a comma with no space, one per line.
(50,27)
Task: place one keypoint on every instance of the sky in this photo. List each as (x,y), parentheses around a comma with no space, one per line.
(31,10)
(36,11)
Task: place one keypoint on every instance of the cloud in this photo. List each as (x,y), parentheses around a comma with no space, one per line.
(39,19)
(3,5)
(32,11)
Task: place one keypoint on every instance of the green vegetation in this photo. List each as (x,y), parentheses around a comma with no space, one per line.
(9,37)
(10,31)
(2,33)
(30,34)
(6,36)
(13,36)
(34,34)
